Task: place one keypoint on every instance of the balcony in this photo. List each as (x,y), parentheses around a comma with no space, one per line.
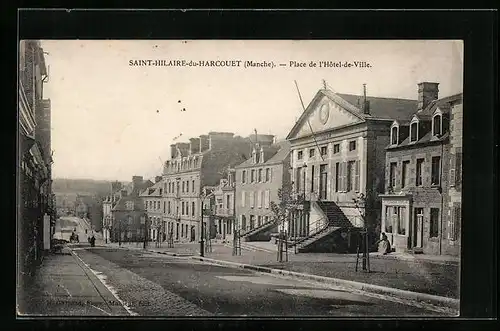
(26,113)
(225,212)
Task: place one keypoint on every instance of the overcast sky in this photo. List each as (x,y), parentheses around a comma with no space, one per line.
(112,121)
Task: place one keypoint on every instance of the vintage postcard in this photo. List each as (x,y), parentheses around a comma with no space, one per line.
(239,178)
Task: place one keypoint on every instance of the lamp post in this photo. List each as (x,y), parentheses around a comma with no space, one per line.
(202,239)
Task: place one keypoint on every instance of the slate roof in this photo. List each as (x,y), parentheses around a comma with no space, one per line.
(427,138)
(380,108)
(153,190)
(273,154)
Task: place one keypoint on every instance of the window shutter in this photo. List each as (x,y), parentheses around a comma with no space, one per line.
(356,181)
(251,199)
(341,177)
(267,199)
(457,221)
(458,170)
(259,199)
(243,198)
(453,170)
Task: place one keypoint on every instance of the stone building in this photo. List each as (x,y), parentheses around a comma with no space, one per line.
(155,207)
(107,206)
(337,153)
(128,214)
(258,180)
(421,204)
(223,220)
(36,203)
(201,162)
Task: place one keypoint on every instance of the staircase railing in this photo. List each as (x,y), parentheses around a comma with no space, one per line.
(263,225)
(321,225)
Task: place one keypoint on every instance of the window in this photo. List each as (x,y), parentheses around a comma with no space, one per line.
(323,180)
(267,199)
(420,169)
(268,175)
(414,132)
(352,145)
(324,150)
(187,208)
(129,205)
(434,223)
(312,178)
(351,175)
(394,135)
(252,176)
(182,186)
(259,199)
(404,177)
(437,122)
(228,201)
(244,176)
(454,222)
(311,152)
(456,170)
(336,148)
(243,198)
(401,221)
(260,175)
(169,208)
(436,170)
(182,209)
(337,177)
(192,186)
(299,155)
(252,199)
(161,191)
(392,175)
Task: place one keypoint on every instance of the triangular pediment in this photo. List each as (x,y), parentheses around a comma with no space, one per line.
(323,114)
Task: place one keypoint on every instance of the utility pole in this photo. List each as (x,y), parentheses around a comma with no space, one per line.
(202,239)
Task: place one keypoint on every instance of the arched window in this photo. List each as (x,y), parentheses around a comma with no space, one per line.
(437,125)
(394,135)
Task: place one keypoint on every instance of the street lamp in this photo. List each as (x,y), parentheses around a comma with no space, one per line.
(202,239)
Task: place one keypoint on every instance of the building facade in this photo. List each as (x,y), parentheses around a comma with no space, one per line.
(155,207)
(200,163)
(36,203)
(421,206)
(337,154)
(129,214)
(224,216)
(107,206)
(258,181)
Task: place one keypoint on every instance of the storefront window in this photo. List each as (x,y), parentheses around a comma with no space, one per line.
(402,221)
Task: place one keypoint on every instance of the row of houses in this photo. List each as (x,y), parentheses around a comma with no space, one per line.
(35,199)
(403,157)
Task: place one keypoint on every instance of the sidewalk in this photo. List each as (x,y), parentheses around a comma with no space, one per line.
(64,286)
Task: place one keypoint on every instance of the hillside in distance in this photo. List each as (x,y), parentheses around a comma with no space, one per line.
(81,186)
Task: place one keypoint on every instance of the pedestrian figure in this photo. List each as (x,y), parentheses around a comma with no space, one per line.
(383,244)
(92,241)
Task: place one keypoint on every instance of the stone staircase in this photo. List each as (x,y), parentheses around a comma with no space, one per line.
(325,231)
(263,227)
(334,214)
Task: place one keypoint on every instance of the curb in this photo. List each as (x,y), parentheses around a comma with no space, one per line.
(404,294)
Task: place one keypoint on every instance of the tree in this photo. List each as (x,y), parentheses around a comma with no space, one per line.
(289,202)
(360,203)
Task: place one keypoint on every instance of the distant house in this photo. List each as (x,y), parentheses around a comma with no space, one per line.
(128,213)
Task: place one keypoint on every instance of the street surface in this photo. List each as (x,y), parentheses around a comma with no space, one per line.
(158,285)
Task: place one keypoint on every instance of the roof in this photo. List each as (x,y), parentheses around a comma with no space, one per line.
(384,108)
(380,108)
(427,138)
(122,203)
(273,154)
(443,103)
(153,190)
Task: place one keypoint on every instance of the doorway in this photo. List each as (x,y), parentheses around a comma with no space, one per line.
(193,238)
(323,181)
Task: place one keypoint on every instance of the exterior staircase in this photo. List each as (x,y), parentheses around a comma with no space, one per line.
(328,229)
(254,231)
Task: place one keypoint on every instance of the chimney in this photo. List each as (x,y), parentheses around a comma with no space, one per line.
(427,92)
(157,179)
(214,138)
(136,181)
(194,145)
(123,193)
(173,151)
(366,103)
(204,143)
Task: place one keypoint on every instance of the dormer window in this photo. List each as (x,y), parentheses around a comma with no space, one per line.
(437,124)
(254,156)
(394,135)
(414,131)
(261,155)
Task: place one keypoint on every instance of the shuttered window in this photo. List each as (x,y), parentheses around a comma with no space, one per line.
(243,198)
(454,222)
(356,178)
(252,198)
(259,199)
(267,199)
(452,170)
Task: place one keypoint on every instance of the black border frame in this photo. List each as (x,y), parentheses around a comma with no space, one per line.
(478,29)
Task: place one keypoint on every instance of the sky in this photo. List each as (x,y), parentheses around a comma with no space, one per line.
(111,120)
